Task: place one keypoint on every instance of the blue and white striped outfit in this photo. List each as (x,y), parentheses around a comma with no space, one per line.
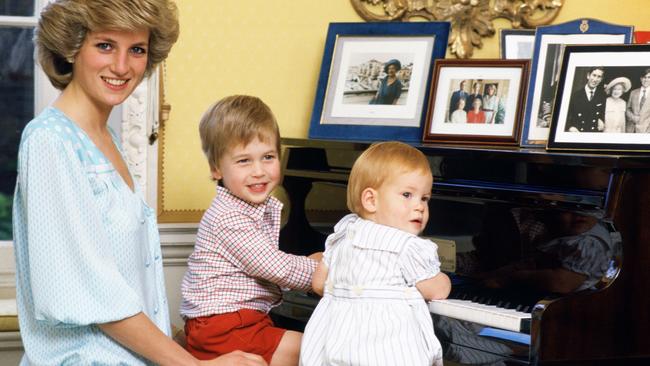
(87,249)
(371,312)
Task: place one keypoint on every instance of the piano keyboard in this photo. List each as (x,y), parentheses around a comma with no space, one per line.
(489,315)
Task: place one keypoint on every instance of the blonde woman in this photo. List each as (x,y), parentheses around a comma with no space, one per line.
(90,286)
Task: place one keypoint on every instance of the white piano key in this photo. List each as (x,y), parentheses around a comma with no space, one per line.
(488,315)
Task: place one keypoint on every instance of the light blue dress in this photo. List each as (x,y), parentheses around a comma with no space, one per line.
(87,249)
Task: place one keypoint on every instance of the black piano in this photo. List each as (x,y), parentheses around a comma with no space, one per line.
(548,252)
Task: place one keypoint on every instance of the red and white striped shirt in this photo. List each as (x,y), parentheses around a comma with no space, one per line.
(237,263)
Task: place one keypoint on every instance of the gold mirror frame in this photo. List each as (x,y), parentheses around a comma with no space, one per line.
(471,20)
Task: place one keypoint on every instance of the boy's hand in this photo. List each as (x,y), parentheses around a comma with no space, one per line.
(318,256)
(236,358)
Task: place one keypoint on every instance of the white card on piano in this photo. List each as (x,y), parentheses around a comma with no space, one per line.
(446,253)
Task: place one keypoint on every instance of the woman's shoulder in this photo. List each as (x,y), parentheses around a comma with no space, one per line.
(50,125)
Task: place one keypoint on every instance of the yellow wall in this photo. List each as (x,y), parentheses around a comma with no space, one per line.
(273,49)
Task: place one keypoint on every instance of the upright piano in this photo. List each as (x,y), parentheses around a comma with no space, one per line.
(548,252)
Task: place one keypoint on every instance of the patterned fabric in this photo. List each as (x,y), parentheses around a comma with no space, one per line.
(371,312)
(236,263)
(87,249)
(588,253)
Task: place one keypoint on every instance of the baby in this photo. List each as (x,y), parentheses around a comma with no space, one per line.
(376,273)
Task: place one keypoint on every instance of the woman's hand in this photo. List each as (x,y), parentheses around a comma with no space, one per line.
(236,358)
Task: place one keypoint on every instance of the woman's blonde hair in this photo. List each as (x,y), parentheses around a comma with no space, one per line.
(236,120)
(64,24)
(379,162)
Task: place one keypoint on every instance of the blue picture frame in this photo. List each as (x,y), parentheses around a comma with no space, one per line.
(336,118)
(546,66)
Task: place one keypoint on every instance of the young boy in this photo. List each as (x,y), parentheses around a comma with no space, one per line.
(236,271)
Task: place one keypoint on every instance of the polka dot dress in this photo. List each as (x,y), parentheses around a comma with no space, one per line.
(87,249)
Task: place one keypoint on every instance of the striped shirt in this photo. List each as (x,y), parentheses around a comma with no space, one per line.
(237,263)
(371,312)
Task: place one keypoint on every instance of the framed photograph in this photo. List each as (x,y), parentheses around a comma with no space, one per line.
(516,44)
(545,68)
(374,80)
(601,99)
(476,101)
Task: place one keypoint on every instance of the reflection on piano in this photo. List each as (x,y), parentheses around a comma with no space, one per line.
(552,249)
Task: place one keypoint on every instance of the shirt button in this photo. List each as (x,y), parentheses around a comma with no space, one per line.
(357,290)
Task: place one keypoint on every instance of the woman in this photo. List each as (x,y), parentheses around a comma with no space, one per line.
(476,115)
(459,115)
(90,286)
(390,88)
(615,105)
(491,103)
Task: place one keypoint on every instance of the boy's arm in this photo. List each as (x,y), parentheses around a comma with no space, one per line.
(318,256)
(435,288)
(255,253)
(319,278)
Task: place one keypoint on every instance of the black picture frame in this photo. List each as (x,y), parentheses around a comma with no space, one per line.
(516,44)
(576,122)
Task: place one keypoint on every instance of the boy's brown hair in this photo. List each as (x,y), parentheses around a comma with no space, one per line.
(236,120)
(379,162)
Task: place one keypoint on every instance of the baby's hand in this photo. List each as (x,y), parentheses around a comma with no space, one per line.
(318,256)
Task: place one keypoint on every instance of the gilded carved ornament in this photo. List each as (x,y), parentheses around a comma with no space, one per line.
(470,20)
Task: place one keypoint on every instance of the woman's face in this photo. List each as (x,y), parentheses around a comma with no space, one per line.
(476,104)
(391,70)
(617,90)
(461,103)
(491,90)
(109,65)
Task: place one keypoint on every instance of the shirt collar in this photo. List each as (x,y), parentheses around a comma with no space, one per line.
(256,211)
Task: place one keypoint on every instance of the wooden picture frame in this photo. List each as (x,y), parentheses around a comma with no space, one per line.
(501,87)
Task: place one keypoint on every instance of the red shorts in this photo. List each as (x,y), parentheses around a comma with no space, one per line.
(246,330)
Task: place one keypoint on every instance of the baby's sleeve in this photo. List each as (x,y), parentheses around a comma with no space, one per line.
(419,261)
(340,229)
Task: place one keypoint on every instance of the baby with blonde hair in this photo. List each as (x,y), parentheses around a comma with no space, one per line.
(377,274)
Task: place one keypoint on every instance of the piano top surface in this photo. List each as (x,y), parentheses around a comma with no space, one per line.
(533,155)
